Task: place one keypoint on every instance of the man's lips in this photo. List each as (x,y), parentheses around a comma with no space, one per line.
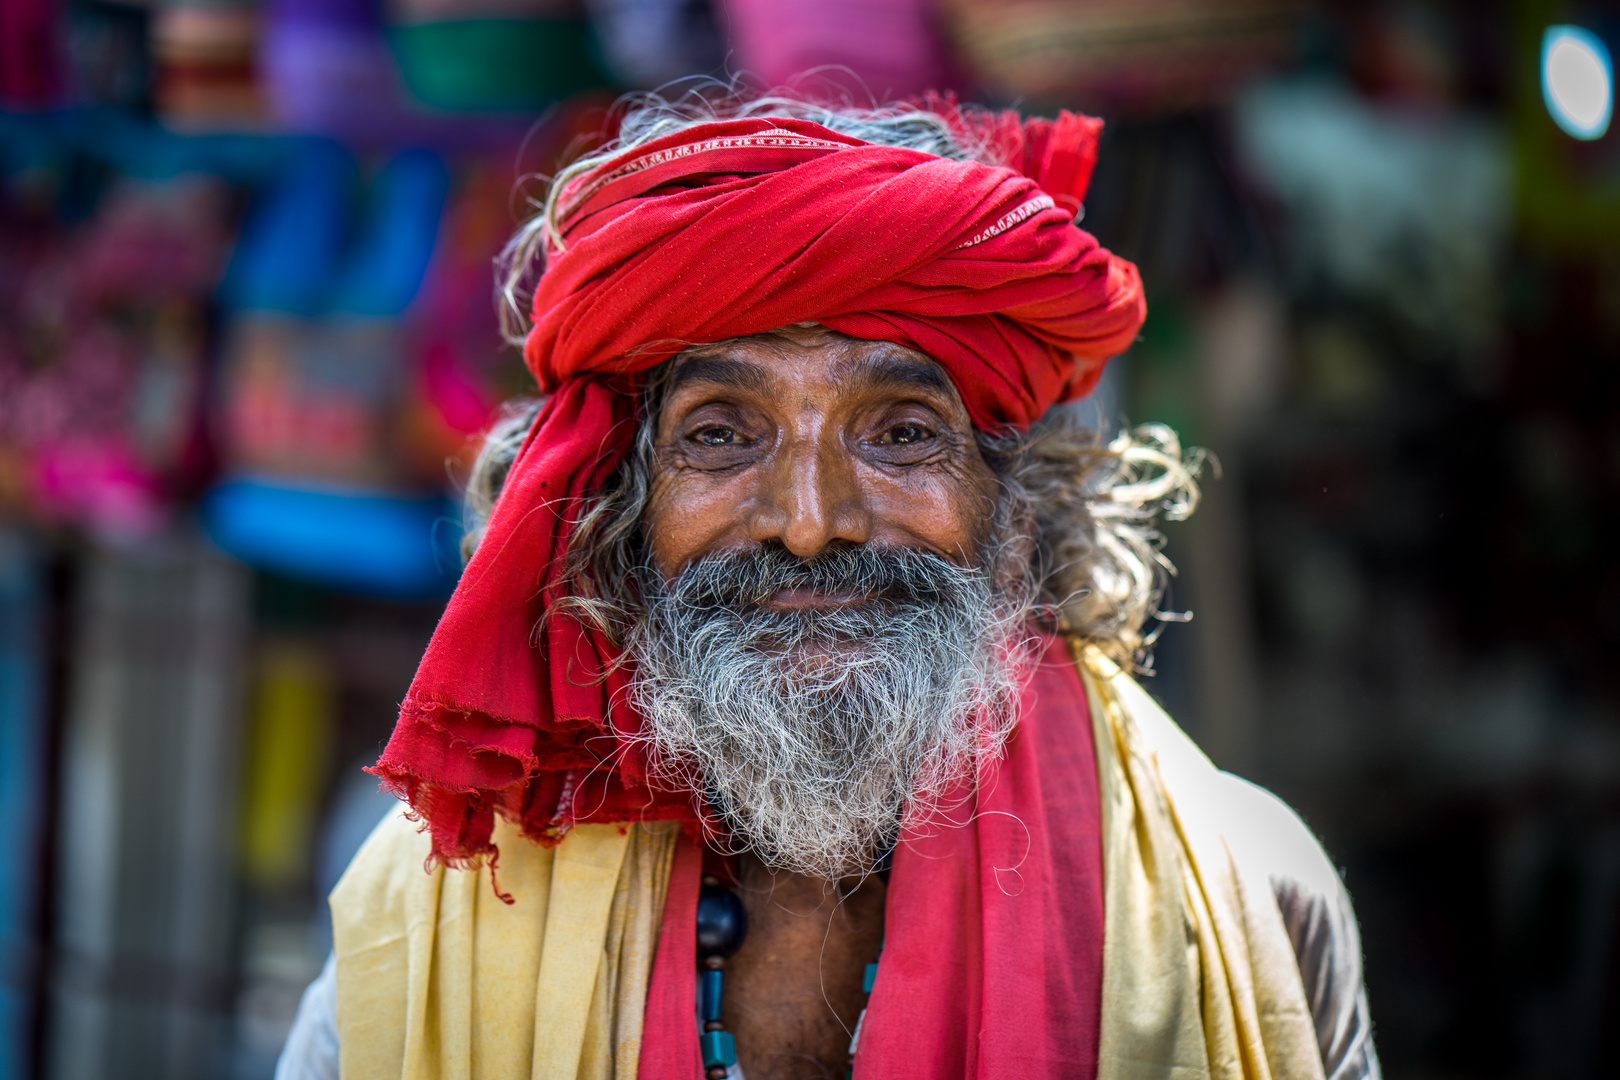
(814,598)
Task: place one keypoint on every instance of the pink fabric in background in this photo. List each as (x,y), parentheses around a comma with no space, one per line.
(895,47)
(28,48)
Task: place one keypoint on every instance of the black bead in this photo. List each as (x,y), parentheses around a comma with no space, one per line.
(721,922)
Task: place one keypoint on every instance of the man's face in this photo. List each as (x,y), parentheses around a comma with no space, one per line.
(807,438)
(824,648)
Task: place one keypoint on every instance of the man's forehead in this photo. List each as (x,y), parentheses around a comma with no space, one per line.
(849,359)
(801,335)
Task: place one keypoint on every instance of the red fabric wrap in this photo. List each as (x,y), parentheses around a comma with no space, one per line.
(740,227)
(718,231)
(993,930)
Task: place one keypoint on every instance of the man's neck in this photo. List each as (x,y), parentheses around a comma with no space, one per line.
(794,989)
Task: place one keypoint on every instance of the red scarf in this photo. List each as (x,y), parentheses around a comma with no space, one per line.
(723,230)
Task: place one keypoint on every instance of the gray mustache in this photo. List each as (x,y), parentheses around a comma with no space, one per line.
(740,581)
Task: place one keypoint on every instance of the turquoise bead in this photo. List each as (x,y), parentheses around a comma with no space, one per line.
(871,977)
(719,1048)
(712,984)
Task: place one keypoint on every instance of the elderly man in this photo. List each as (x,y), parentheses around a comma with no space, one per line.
(788,677)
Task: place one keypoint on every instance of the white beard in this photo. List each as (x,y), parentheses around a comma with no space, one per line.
(817,732)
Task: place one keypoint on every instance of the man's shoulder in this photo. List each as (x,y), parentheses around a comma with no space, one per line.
(391,859)
(1269,841)
(1267,836)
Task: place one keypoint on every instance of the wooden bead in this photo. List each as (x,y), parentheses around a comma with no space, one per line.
(716,1073)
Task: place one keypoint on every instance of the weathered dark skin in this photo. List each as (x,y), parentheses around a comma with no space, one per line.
(793,990)
(807,438)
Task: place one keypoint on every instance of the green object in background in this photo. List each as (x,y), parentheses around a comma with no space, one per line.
(497,64)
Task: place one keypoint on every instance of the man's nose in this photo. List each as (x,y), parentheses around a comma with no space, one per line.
(810,497)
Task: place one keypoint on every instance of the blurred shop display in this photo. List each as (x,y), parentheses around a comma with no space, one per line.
(27,68)
(24,786)
(647,43)
(314,355)
(493,55)
(336,399)
(1114,55)
(1385,297)
(207,70)
(442,74)
(225,332)
(143,904)
(102,343)
(1406,212)
(855,49)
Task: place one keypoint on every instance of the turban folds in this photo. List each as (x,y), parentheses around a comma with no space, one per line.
(722,230)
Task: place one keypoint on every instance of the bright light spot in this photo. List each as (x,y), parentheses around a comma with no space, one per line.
(1577,80)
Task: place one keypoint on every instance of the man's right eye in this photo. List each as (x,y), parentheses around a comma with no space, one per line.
(717,436)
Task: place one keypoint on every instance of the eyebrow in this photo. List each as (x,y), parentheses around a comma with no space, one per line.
(875,369)
(897,369)
(722,371)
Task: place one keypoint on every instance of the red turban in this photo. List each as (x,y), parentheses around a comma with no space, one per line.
(722,230)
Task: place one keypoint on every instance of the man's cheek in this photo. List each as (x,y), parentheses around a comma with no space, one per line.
(948,511)
(689,514)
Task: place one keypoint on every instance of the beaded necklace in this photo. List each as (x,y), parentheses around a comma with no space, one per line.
(722,924)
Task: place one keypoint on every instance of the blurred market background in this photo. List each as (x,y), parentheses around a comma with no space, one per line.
(247,337)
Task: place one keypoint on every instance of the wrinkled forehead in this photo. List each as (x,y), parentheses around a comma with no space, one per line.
(850,356)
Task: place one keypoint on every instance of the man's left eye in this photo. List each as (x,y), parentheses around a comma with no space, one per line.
(904,434)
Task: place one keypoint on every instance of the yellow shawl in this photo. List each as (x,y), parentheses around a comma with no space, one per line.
(439,980)
(1199,976)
